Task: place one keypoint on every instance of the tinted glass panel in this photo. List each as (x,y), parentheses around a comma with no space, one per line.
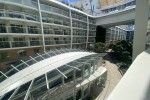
(39,80)
(7,95)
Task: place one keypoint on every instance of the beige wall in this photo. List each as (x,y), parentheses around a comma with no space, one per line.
(104,3)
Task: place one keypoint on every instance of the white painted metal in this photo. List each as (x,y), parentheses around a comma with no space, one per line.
(28,91)
(61,73)
(15,68)
(4,74)
(38,69)
(47,84)
(136,82)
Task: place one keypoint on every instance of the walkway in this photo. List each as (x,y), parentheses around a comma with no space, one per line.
(113,77)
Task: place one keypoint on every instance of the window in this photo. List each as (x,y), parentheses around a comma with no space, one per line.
(16,28)
(2,28)
(33,30)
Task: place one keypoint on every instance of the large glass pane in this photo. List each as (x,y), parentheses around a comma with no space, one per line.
(11,72)
(86,70)
(78,94)
(30,62)
(38,58)
(2,77)
(22,91)
(79,75)
(21,66)
(85,89)
(16,63)
(57,52)
(39,80)
(69,77)
(39,91)
(55,83)
(51,53)
(45,55)
(63,68)
(7,95)
(52,74)
(92,66)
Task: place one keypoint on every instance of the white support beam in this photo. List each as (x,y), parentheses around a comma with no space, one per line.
(61,73)
(41,56)
(141,21)
(32,58)
(28,91)
(46,81)
(10,98)
(4,74)
(41,24)
(15,68)
(24,62)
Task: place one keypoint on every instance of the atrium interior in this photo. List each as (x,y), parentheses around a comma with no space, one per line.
(47,48)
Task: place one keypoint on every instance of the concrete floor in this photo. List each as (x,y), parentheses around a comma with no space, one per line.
(113,77)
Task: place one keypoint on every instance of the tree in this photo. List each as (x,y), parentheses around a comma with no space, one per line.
(122,49)
(99,47)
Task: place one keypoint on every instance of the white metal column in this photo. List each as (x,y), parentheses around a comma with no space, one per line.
(71,24)
(87,36)
(141,20)
(42,31)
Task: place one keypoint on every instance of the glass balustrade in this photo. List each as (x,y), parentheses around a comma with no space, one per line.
(66,33)
(35,42)
(57,32)
(50,42)
(62,12)
(54,10)
(24,2)
(48,31)
(19,15)
(4,44)
(34,30)
(19,29)
(19,43)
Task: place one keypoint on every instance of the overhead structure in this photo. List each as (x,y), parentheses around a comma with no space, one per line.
(43,75)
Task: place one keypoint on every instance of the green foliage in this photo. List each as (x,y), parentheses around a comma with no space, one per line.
(123,54)
(123,50)
(99,47)
(3,55)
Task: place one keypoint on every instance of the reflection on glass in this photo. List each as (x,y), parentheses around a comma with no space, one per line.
(64,68)
(52,74)
(7,95)
(22,91)
(69,77)
(78,95)
(79,75)
(86,70)
(56,82)
(2,77)
(39,80)
(39,91)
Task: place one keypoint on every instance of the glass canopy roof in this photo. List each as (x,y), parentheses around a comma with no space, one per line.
(20,65)
(23,91)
